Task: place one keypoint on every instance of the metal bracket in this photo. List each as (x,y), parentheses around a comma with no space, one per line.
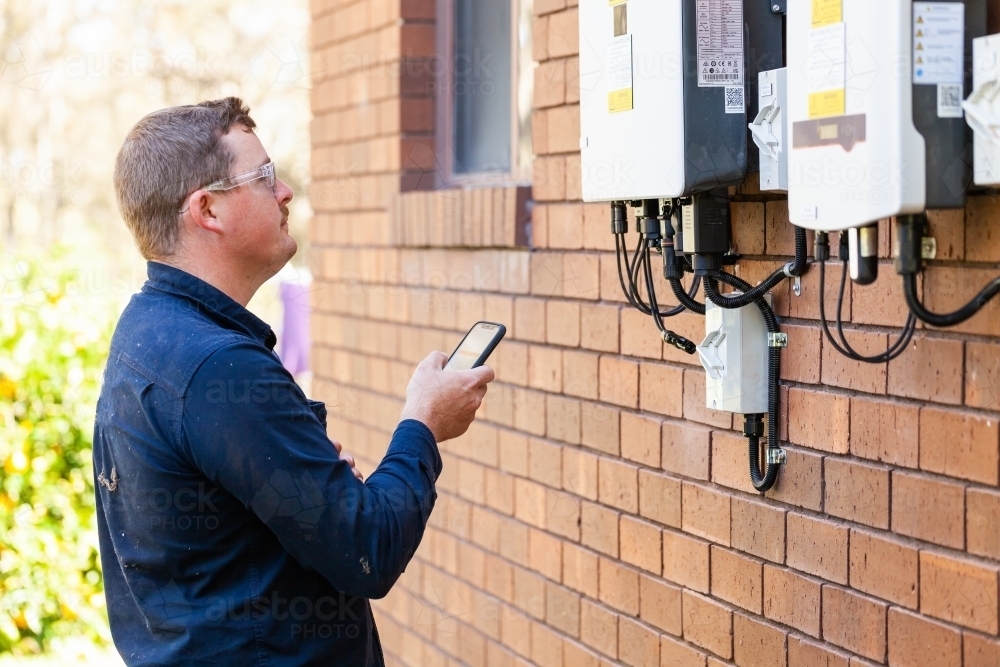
(776,457)
(797,286)
(928,247)
(778,6)
(777,340)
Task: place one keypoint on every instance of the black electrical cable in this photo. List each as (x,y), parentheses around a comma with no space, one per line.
(669,337)
(795,268)
(950,319)
(686,299)
(631,290)
(761,480)
(844,347)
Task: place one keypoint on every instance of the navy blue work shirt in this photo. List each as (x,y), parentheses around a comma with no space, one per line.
(231,533)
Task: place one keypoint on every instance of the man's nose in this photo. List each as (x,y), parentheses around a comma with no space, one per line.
(282,192)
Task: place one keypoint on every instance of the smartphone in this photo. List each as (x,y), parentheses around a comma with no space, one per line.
(476,347)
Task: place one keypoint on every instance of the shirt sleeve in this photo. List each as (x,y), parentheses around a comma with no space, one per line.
(249,428)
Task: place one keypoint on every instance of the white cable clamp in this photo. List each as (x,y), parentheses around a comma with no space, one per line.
(777,340)
(788,270)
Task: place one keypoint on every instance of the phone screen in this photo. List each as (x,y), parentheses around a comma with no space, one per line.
(472,347)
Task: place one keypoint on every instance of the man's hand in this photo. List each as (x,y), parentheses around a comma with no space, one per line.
(344,456)
(445,401)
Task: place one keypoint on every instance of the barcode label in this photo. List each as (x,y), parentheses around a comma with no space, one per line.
(949,100)
(734,99)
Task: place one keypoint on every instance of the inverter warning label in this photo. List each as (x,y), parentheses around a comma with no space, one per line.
(720,43)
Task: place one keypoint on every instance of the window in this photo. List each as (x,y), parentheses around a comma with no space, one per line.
(485,92)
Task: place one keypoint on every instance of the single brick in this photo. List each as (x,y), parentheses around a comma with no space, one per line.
(674,653)
(758,644)
(579,473)
(640,439)
(599,528)
(798,360)
(638,339)
(758,529)
(915,641)
(618,484)
(857,492)
(928,509)
(660,498)
(982,518)
(819,420)
(729,461)
(982,375)
(931,370)
(960,445)
(705,512)
(685,561)
(885,432)
(660,604)
(708,624)
(817,547)
(640,544)
(580,570)
(661,389)
(959,591)
(637,645)
(563,323)
(599,327)
(792,599)
(884,567)
(580,374)
(804,653)
(619,586)
(619,381)
(737,579)
(598,628)
(562,609)
(854,622)
(801,480)
(599,426)
(685,450)
(979,651)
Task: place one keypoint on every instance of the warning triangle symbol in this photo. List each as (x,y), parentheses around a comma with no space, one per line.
(920,61)
(920,19)
(920,33)
(920,47)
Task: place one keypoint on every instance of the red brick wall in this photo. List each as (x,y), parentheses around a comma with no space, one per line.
(597,513)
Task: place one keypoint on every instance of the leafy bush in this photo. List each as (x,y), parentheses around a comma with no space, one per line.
(53,343)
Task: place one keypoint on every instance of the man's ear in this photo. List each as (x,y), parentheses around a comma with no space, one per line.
(204,209)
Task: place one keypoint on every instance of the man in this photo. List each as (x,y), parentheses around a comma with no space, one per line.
(232,530)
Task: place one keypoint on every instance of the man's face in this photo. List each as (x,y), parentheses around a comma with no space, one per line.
(256,218)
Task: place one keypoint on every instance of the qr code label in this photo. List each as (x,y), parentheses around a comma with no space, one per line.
(949,100)
(734,99)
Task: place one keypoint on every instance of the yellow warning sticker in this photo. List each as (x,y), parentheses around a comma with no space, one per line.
(612,3)
(827,103)
(620,100)
(827,12)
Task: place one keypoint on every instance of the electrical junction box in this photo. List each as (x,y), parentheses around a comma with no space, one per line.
(734,355)
(664,91)
(855,155)
(982,109)
(769,131)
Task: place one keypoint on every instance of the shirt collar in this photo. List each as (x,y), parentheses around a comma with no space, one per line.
(169,279)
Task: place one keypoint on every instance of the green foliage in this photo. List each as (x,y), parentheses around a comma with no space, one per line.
(53,343)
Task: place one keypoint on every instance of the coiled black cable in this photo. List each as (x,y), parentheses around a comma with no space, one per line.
(761,480)
(797,267)
(949,319)
(844,347)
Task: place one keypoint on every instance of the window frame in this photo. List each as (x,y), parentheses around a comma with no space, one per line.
(444,140)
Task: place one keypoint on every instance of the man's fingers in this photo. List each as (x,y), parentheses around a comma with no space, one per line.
(339,447)
(435,360)
(349,459)
(483,375)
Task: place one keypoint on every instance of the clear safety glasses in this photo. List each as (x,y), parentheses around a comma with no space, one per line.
(265,171)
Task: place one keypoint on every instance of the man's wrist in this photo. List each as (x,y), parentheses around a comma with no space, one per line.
(421,417)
